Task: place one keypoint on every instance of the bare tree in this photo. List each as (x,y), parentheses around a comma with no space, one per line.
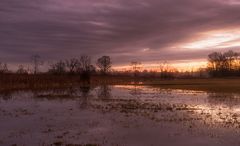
(164,67)
(166,71)
(136,66)
(36,63)
(84,63)
(92,69)
(223,64)
(3,68)
(72,65)
(58,68)
(84,68)
(104,64)
(217,61)
(21,70)
(230,57)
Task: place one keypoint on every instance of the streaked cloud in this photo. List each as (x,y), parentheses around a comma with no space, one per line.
(222,39)
(146,30)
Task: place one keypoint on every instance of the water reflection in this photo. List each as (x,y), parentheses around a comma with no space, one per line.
(7,95)
(135,90)
(228,99)
(211,107)
(91,111)
(104,92)
(84,100)
(146,93)
(55,94)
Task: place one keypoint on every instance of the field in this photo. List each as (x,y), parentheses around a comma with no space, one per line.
(210,85)
(37,82)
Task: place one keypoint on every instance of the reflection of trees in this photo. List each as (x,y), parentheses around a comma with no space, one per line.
(136,90)
(52,94)
(36,93)
(71,91)
(7,95)
(104,92)
(229,99)
(84,100)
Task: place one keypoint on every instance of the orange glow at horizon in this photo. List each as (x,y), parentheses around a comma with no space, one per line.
(181,67)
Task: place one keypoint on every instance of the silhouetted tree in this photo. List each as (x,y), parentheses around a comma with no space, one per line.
(104,64)
(36,63)
(21,70)
(136,66)
(230,57)
(58,68)
(214,59)
(92,69)
(3,68)
(166,70)
(84,68)
(223,64)
(72,65)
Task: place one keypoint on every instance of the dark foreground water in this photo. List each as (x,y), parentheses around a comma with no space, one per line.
(119,116)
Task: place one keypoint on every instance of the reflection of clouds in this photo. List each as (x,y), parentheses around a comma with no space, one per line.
(213,109)
(133,89)
(220,109)
(218,115)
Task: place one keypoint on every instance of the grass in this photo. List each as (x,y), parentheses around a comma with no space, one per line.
(209,85)
(43,82)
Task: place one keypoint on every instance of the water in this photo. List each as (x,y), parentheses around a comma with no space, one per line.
(119,116)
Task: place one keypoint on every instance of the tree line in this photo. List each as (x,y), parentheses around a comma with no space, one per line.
(82,65)
(224,64)
(220,64)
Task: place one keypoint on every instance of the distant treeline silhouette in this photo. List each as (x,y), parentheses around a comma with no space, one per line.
(219,65)
(224,64)
(81,65)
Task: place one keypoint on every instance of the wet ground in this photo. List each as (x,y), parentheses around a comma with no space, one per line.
(119,116)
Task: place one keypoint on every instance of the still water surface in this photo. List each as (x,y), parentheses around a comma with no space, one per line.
(119,116)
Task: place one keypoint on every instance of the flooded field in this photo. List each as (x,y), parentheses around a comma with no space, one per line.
(119,116)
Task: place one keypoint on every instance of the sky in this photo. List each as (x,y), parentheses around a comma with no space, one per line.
(181,32)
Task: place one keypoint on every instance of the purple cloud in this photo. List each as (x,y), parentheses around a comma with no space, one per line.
(59,29)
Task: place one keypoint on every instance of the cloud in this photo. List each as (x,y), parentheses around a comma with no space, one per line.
(123,29)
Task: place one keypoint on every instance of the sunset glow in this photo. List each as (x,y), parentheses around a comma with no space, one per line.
(216,40)
(119,72)
(124,30)
(182,67)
